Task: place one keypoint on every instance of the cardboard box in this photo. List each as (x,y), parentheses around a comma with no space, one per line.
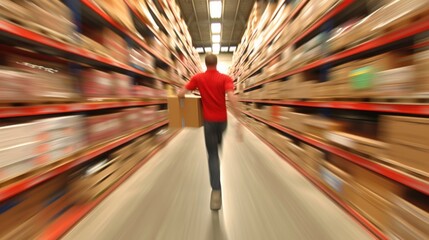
(20,208)
(413,209)
(411,157)
(185,112)
(375,182)
(335,179)
(372,206)
(404,230)
(411,131)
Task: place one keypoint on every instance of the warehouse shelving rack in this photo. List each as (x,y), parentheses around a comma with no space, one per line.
(398,108)
(76,159)
(407,180)
(69,219)
(17,35)
(381,42)
(357,216)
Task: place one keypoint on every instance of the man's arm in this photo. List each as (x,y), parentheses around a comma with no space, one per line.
(234,102)
(182,92)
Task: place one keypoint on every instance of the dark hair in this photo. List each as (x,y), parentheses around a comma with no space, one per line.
(211,60)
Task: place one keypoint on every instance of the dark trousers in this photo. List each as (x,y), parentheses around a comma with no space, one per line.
(213,134)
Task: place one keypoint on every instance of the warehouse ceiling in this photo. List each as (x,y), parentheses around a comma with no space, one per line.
(235,14)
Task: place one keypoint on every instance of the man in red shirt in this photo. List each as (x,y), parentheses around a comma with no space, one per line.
(212,86)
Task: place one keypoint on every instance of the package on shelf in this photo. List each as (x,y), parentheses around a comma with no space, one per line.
(363,74)
(335,179)
(411,216)
(142,60)
(421,61)
(51,16)
(276,112)
(118,10)
(279,141)
(59,137)
(97,83)
(295,121)
(319,126)
(143,12)
(10,9)
(295,153)
(103,127)
(149,114)
(93,46)
(14,85)
(28,78)
(407,138)
(338,39)
(122,85)
(367,146)
(371,205)
(157,46)
(131,118)
(91,181)
(115,45)
(33,207)
(396,82)
(312,158)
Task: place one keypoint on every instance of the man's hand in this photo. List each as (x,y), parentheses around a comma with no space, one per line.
(182,92)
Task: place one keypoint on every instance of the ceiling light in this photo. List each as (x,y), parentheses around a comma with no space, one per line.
(216,38)
(232,49)
(216,47)
(216,27)
(224,49)
(207,49)
(200,50)
(215,9)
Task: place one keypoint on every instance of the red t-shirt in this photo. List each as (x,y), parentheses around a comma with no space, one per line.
(212,85)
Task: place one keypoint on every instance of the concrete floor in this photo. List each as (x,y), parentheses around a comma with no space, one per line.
(264,198)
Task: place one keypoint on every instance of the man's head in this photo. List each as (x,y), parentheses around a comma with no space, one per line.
(211,61)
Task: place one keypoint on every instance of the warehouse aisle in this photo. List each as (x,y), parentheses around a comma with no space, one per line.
(264,198)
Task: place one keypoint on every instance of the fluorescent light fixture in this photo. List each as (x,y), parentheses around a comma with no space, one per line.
(207,49)
(200,50)
(232,49)
(216,38)
(216,47)
(215,9)
(224,49)
(216,27)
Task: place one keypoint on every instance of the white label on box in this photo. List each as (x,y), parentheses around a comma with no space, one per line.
(340,140)
(332,180)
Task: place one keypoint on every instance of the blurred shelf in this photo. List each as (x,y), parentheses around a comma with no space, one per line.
(13,111)
(405,32)
(297,9)
(351,211)
(154,32)
(405,108)
(76,159)
(97,10)
(63,224)
(408,180)
(67,50)
(328,16)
